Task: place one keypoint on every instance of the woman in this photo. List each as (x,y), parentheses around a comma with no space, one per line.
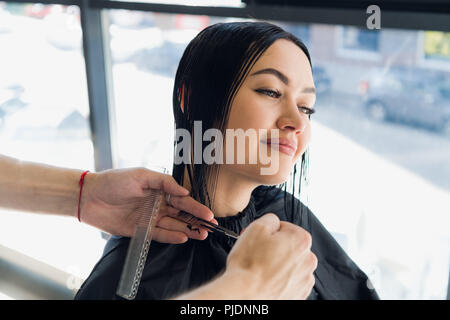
(245,75)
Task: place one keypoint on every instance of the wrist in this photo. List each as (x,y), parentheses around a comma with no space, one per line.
(241,284)
(85,191)
(231,285)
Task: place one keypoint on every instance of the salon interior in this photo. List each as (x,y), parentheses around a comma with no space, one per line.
(81,79)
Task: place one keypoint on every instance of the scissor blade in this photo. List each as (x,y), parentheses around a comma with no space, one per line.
(209,225)
(225,231)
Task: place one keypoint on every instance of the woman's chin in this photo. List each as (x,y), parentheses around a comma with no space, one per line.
(273,177)
(276,173)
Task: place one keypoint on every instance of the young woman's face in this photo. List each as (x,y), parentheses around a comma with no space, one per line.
(276,94)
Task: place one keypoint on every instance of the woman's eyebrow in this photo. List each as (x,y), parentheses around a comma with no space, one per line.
(282,77)
(274,72)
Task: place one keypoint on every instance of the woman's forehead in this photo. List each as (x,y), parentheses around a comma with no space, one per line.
(287,58)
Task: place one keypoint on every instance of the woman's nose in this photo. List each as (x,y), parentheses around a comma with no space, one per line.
(292,119)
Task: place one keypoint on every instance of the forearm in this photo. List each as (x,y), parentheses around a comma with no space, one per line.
(40,188)
(236,285)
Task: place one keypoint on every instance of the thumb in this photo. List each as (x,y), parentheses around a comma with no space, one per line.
(269,222)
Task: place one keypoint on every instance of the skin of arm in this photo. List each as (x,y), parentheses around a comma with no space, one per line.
(109,201)
(31,187)
(230,285)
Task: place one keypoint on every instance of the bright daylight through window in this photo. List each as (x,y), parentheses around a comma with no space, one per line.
(380,149)
(43,108)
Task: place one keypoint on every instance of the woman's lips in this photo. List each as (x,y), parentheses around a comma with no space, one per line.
(284,145)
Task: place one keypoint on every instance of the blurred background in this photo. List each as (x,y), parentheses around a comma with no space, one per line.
(88,85)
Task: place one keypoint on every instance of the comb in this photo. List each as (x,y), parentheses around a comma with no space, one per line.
(139,245)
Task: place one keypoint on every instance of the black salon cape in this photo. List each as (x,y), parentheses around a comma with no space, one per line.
(172,269)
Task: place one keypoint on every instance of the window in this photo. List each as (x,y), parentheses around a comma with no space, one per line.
(359,39)
(379,161)
(357,42)
(379,169)
(435,50)
(437,45)
(225,3)
(147,49)
(301,31)
(44,118)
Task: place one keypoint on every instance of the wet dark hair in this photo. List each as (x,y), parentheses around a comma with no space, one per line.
(210,72)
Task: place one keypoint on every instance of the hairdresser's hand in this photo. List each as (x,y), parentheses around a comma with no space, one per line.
(274,260)
(173,227)
(110,200)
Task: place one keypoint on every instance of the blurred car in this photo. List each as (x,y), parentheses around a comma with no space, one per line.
(417,97)
(12,98)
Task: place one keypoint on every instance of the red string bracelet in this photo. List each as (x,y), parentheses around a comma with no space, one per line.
(81,189)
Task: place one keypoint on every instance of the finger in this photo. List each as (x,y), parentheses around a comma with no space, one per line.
(167,210)
(193,231)
(301,233)
(300,237)
(189,205)
(269,223)
(209,228)
(168,236)
(164,182)
(184,217)
(288,226)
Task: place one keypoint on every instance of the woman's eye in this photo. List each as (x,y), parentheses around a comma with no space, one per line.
(306,110)
(270,93)
(276,94)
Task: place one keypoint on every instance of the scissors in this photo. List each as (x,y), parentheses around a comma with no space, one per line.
(208,225)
